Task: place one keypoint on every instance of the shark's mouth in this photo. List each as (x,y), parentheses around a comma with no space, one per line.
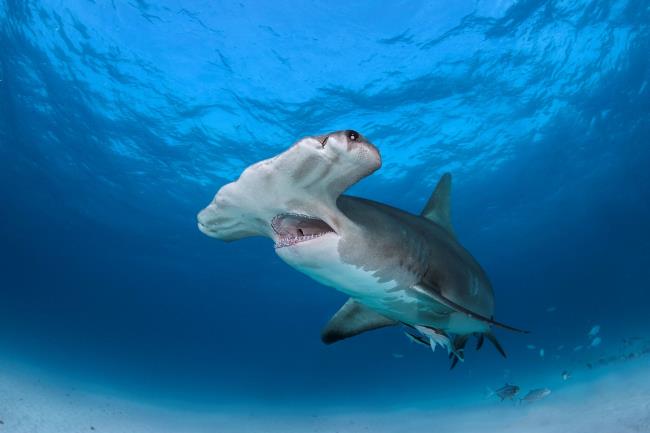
(295,228)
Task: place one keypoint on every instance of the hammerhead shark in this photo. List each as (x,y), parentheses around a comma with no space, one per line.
(396,267)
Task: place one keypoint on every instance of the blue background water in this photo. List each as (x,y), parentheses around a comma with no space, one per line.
(119,120)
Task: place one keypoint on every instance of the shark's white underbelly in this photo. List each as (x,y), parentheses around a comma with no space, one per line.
(320,260)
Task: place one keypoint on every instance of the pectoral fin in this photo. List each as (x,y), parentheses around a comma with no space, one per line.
(352,319)
(434,293)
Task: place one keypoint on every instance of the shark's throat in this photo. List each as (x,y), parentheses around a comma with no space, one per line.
(291,229)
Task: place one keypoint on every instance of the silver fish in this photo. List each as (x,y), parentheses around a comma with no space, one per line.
(506,392)
(536,395)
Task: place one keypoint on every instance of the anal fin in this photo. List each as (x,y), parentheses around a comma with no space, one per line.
(352,319)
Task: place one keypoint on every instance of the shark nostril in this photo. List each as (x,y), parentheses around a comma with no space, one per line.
(324,140)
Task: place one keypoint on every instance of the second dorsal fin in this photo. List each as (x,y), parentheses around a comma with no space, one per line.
(438,208)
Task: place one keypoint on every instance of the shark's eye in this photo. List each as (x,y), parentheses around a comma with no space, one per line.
(353,135)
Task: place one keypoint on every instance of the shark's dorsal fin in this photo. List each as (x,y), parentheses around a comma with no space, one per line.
(352,319)
(438,208)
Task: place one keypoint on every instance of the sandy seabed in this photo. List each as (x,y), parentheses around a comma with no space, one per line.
(616,400)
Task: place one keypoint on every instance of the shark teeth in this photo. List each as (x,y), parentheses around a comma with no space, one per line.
(287,241)
(293,228)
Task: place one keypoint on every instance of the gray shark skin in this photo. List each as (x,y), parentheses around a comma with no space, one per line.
(395,266)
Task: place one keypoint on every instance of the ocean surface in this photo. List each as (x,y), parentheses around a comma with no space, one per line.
(120,119)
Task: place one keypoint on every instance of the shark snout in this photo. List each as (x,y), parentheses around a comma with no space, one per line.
(206,219)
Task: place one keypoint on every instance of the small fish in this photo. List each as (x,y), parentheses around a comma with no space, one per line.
(551,309)
(506,392)
(594,331)
(398,355)
(566,375)
(596,341)
(531,347)
(577,348)
(536,395)
(630,340)
(560,347)
(438,338)
(417,339)
(541,352)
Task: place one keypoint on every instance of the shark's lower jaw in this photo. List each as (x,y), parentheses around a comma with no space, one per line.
(292,229)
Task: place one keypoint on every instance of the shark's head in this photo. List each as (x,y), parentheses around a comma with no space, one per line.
(331,162)
(291,198)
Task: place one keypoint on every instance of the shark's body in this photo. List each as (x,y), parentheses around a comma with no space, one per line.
(383,259)
(395,266)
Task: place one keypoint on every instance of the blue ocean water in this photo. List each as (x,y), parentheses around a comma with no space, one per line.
(119,120)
